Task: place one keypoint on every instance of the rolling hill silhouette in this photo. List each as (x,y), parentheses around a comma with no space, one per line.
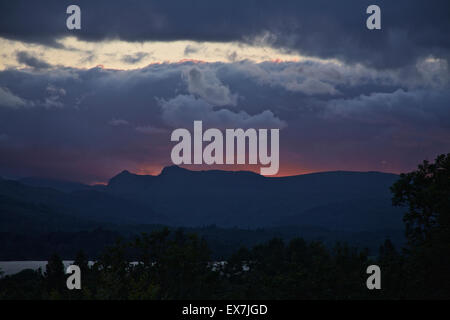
(348,201)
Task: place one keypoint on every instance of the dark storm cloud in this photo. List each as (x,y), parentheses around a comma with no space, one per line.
(135,58)
(90,124)
(31,61)
(410,29)
(190,49)
(105,120)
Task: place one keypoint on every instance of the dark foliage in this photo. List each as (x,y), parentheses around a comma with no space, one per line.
(167,264)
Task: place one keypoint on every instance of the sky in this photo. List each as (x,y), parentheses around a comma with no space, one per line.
(85,104)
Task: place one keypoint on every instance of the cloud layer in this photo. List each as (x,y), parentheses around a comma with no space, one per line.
(327,29)
(88,124)
(345,97)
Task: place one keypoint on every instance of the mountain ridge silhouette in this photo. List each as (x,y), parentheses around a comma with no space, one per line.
(344,200)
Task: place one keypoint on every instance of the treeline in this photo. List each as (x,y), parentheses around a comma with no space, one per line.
(174,265)
(221,241)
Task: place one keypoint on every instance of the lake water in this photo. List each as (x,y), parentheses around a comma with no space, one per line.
(12,267)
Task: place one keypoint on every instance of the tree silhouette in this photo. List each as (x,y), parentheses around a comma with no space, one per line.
(54,276)
(426,193)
